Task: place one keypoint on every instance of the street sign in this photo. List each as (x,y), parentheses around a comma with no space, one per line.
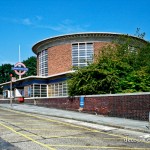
(82,101)
(20,68)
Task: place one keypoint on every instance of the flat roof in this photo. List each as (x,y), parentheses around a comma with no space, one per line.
(37,77)
(82,34)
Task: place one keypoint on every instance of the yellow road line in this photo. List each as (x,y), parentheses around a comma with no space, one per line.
(31,135)
(51,120)
(49,130)
(72,125)
(18,123)
(60,137)
(49,125)
(39,143)
(30,123)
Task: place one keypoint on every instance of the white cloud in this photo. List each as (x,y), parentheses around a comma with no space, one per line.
(26,21)
(38,18)
(68,26)
(65,26)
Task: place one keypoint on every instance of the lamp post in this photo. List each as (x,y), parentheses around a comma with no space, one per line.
(11,90)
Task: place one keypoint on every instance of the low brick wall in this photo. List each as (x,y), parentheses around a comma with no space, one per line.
(133,106)
(60,103)
(126,106)
(4,101)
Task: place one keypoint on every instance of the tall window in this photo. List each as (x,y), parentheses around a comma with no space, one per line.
(82,54)
(43,63)
(57,89)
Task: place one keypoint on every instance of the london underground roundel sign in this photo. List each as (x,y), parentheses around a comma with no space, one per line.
(20,68)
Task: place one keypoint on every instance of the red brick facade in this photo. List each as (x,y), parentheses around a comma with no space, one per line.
(59,59)
(98,46)
(60,48)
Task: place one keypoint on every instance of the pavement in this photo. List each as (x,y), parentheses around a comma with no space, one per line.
(122,123)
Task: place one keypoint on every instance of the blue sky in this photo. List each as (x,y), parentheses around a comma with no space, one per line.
(25,22)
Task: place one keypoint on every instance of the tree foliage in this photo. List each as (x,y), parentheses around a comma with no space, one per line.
(31,65)
(6,70)
(118,68)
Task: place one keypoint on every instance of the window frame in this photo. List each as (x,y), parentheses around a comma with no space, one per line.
(58,89)
(37,91)
(82,53)
(43,62)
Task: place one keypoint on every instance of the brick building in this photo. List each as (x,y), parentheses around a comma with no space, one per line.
(55,58)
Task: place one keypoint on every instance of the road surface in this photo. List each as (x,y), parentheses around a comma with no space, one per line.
(27,131)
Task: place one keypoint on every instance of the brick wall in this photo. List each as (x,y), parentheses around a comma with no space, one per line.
(60,103)
(98,46)
(126,106)
(59,59)
(5,101)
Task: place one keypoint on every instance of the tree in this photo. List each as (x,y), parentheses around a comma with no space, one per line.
(31,65)
(6,70)
(138,34)
(119,68)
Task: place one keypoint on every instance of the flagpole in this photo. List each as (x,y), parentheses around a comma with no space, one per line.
(19,52)
(19,60)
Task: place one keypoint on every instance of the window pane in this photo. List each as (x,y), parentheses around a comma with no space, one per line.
(57,89)
(82,54)
(82,46)
(82,60)
(43,63)
(39,90)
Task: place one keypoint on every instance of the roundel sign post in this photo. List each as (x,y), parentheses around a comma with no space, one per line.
(20,69)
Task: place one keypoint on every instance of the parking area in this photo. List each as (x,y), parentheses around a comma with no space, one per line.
(31,131)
